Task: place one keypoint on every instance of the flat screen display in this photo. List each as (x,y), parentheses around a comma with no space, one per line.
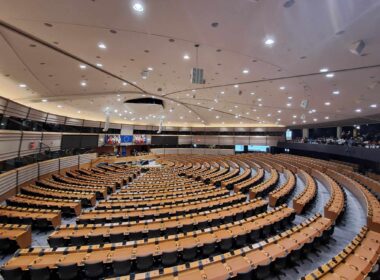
(126,139)
(79,141)
(164,140)
(257,148)
(239,148)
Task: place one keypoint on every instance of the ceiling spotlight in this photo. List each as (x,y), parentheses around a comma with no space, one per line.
(327,117)
(83,84)
(294,116)
(290,97)
(115,110)
(268,115)
(78,112)
(102,46)
(278,120)
(217,117)
(289,104)
(304,121)
(222,92)
(82,66)
(181,117)
(259,99)
(327,103)
(279,111)
(358,110)
(124,83)
(22,85)
(373,105)
(315,120)
(245,71)
(44,100)
(323,70)
(282,88)
(236,86)
(99,65)
(150,68)
(138,7)
(59,106)
(336,92)
(330,75)
(294,122)
(252,93)
(186,57)
(269,42)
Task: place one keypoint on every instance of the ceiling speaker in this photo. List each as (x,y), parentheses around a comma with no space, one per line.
(357,47)
(304,103)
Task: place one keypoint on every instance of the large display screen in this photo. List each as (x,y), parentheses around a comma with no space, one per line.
(239,148)
(126,139)
(79,141)
(257,148)
(164,140)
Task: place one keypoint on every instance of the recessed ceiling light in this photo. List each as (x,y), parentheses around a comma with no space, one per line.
(186,57)
(119,99)
(82,66)
(252,93)
(327,117)
(268,115)
(294,122)
(330,75)
(294,116)
(59,106)
(260,105)
(290,97)
(193,90)
(373,105)
(217,117)
(315,120)
(327,103)
(83,84)
(222,92)
(181,117)
(336,92)
(278,120)
(115,110)
(78,112)
(245,71)
(304,121)
(236,86)
(236,106)
(44,100)
(102,45)
(289,104)
(282,88)
(358,110)
(323,70)
(22,85)
(99,65)
(138,7)
(150,68)
(279,111)
(269,41)
(259,99)
(124,83)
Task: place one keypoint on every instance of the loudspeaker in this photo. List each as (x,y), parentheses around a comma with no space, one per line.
(357,47)
(107,124)
(304,103)
(197,76)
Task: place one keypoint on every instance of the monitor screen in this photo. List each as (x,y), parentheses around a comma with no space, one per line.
(257,148)
(126,139)
(239,148)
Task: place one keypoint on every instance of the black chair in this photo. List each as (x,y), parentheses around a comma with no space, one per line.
(169,258)
(154,233)
(11,273)
(117,237)
(27,221)
(227,219)
(5,244)
(95,239)
(261,272)
(254,235)
(244,275)
(266,230)
(39,273)
(67,271)
(189,254)
(187,228)
(42,224)
(57,242)
(3,219)
(144,263)
(77,240)
(121,266)
(226,244)
(279,264)
(93,269)
(241,240)
(135,235)
(208,249)
(215,223)
(239,216)
(171,231)
(202,225)
(14,220)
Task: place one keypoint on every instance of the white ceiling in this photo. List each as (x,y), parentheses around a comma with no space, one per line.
(308,36)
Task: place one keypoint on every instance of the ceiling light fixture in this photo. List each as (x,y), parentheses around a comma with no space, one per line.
(373,105)
(83,84)
(252,93)
(245,71)
(323,70)
(336,92)
(138,7)
(269,42)
(327,117)
(44,100)
(327,103)
(82,66)
(102,45)
(186,57)
(330,75)
(22,85)
(150,68)
(59,106)
(282,88)
(236,86)
(358,110)
(99,65)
